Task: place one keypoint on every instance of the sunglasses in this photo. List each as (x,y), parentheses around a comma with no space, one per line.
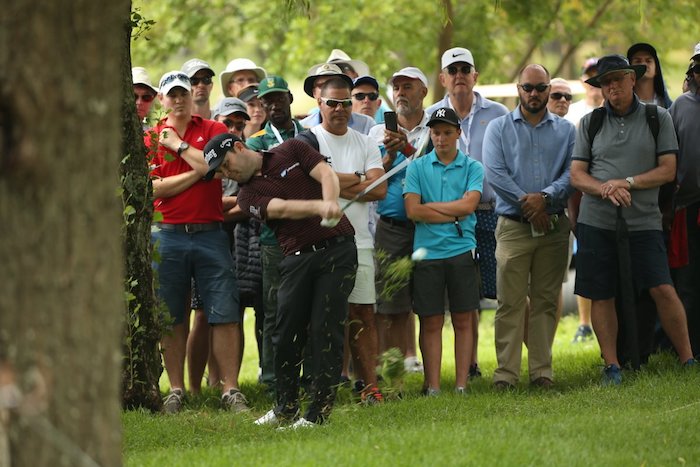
(170,78)
(527,87)
(231,124)
(558,95)
(464,69)
(333,103)
(360,96)
(144,97)
(608,80)
(196,81)
(696,68)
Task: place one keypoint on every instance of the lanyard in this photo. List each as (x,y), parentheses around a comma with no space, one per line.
(279,136)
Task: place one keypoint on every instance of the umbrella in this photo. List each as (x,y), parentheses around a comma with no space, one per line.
(626,297)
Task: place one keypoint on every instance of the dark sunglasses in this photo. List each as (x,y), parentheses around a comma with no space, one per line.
(696,68)
(360,96)
(144,97)
(336,102)
(206,80)
(464,69)
(558,95)
(238,125)
(527,87)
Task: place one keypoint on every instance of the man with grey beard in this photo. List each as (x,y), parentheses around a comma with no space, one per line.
(394,235)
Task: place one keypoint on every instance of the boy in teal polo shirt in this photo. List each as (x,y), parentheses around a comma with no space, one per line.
(442,191)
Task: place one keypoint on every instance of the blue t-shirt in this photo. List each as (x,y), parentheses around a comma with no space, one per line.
(434,181)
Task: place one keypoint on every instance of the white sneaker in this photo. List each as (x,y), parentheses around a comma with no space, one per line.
(301,423)
(270,418)
(413,365)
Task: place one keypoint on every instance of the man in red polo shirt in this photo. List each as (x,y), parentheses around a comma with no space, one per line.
(191,242)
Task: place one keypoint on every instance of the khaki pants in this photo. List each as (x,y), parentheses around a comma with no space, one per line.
(534,267)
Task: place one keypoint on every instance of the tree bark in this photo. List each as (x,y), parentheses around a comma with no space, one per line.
(142,362)
(444,43)
(61,291)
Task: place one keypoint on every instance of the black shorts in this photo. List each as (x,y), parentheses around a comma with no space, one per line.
(457,275)
(397,242)
(596,261)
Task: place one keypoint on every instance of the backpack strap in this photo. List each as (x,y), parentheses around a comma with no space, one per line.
(595,123)
(652,113)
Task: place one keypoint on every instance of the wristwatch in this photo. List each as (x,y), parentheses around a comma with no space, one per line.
(630,180)
(362,176)
(183,147)
(547,198)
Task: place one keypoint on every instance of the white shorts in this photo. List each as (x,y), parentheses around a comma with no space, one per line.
(364,292)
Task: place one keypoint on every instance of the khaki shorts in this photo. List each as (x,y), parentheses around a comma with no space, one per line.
(364,292)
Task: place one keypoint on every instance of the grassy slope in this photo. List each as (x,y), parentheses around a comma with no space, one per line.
(653,419)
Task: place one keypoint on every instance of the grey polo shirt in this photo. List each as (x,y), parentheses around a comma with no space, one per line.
(624,147)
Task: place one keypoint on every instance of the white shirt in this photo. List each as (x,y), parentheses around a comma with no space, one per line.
(350,153)
(577,111)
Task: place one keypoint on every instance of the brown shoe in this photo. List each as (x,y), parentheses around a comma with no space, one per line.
(543,382)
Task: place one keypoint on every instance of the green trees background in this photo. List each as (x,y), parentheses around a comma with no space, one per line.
(287,37)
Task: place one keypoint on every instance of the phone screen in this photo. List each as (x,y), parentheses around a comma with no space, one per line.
(390,121)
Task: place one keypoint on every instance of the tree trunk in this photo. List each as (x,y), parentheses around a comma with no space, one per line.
(444,43)
(142,362)
(61,291)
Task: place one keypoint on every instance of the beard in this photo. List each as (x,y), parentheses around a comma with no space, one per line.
(534,107)
(403,107)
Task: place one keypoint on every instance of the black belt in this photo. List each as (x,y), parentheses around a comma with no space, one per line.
(190,228)
(396,222)
(323,244)
(523,220)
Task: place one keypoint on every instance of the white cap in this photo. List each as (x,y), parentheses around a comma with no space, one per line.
(139,75)
(696,51)
(173,79)
(191,67)
(229,105)
(338,57)
(239,64)
(410,72)
(455,55)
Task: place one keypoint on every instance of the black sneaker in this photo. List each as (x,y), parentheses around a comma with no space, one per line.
(474,371)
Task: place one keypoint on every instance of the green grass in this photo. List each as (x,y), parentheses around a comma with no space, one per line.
(652,419)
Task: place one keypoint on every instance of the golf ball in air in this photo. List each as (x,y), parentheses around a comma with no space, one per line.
(419,254)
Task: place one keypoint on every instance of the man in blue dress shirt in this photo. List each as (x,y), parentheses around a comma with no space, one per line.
(527,155)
